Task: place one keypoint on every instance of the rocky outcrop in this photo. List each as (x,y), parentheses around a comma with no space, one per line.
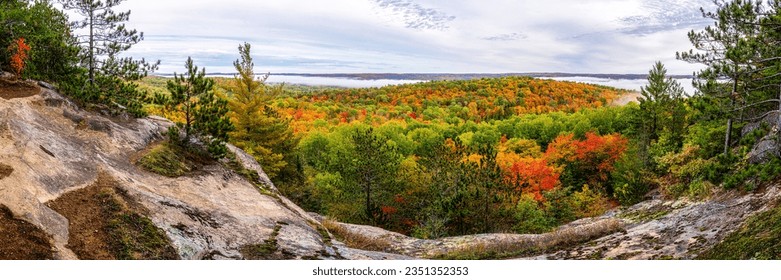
(771,120)
(673,229)
(213,213)
(653,229)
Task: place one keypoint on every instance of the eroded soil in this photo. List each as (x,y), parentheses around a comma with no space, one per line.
(20,240)
(10,89)
(104,225)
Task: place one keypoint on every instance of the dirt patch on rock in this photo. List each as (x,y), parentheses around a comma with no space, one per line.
(20,240)
(5,171)
(17,89)
(105,224)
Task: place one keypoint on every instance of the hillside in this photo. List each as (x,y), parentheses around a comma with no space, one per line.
(69,189)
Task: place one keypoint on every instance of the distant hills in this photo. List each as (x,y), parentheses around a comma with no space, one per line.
(454,76)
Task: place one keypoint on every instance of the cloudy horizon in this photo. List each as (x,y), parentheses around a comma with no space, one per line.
(419,36)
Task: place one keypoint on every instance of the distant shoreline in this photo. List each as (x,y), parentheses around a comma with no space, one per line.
(452,76)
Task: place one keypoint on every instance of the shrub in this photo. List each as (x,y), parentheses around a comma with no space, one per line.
(19,57)
(630,180)
(589,203)
(531,219)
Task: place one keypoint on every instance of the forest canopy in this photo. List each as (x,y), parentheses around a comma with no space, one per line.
(442,158)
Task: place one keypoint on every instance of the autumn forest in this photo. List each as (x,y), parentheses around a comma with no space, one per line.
(442,158)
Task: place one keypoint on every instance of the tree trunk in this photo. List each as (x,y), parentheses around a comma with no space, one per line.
(729,118)
(91,48)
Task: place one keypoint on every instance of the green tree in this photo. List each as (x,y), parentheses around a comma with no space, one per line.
(107,73)
(374,168)
(660,111)
(260,130)
(728,49)
(204,113)
(53,54)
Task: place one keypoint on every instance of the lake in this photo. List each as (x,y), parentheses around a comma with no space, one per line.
(630,84)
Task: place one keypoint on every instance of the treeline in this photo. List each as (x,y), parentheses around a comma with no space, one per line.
(441,101)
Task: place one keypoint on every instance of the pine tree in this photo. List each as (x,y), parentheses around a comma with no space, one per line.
(661,110)
(728,49)
(374,171)
(204,113)
(106,38)
(260,130)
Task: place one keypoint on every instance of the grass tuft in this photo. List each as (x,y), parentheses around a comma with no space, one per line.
(268,250)
(166,159)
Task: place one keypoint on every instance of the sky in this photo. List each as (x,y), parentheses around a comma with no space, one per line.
(419,36)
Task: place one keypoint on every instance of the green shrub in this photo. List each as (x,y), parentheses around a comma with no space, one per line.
(531,219)
(166,159)
(589,203)
(630,180)
(753,175)
(699,189)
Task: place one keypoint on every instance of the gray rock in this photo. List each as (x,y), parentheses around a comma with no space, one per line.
(53,99)
(97,124)
(73,116)
(249,163)
(679,229)
(766,149)
(771,120)
(399,246)
(210,214)
(46,85)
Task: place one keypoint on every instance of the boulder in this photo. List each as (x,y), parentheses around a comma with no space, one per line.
(766,149)
(771,120)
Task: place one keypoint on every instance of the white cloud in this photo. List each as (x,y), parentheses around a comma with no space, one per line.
(600,36)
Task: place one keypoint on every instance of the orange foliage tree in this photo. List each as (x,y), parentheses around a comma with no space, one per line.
(532,176)
(588,161)
(19,56)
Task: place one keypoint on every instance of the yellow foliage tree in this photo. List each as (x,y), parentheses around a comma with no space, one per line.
(260,131)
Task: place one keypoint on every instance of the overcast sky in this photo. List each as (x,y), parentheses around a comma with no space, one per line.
(419,36)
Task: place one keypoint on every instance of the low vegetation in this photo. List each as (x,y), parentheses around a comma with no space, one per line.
(166,159)
(173,160)
(268,250)
(758,239)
